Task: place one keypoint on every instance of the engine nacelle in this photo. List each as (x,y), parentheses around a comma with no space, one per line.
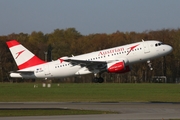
(117,67)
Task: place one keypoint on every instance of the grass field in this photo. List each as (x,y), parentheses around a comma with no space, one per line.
(87,92)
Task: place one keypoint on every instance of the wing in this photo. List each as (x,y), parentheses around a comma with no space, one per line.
(88,64)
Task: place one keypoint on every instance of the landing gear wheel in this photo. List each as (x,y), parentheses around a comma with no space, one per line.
(98,80)
(149,64)
(95,80)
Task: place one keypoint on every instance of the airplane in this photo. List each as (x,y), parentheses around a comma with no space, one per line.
(113,60)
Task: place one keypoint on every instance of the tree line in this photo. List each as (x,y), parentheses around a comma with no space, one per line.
(68,42)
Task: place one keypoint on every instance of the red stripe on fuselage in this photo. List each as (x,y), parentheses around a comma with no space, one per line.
(12,43)
(31,62)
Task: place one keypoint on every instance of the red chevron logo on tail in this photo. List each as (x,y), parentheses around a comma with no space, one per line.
(19,53)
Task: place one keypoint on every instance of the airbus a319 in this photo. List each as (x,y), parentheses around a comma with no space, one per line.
(112,60)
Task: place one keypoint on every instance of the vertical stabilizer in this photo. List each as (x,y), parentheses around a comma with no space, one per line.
(22,56)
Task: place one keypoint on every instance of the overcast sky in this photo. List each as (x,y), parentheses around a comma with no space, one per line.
(88,16)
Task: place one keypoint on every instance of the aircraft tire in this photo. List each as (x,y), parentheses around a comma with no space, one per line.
(95,80)
(100,80)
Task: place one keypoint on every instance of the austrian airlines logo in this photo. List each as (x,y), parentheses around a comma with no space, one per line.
(19,53)
(61,60)
(131,48)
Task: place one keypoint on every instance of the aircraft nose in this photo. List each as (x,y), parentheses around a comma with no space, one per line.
(168,49)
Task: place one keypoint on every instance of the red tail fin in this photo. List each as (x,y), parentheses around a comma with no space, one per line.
(22,56)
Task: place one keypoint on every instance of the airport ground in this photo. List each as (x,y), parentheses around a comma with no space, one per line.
(88,92)
(131,101)
(135,111)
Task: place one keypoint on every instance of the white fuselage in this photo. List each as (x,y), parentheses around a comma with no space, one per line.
(131,53)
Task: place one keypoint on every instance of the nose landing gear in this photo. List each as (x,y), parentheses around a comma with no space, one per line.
(149,64)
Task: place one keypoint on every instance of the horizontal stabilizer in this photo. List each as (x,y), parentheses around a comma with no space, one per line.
(24,72)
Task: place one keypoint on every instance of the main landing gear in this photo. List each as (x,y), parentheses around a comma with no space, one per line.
(98,79)
(149,64)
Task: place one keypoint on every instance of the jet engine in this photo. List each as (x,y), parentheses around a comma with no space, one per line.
(117,67)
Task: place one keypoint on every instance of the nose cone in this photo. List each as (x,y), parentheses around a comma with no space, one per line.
(169,49)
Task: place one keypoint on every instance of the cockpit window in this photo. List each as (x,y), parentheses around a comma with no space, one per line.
(158,44)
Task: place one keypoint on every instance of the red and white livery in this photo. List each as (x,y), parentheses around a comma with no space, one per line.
(113,60)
